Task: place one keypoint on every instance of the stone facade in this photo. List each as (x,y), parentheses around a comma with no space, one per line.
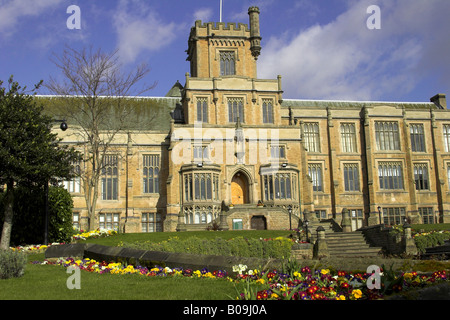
(226,138)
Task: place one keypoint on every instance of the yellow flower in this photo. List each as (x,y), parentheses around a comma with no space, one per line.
(340,297)
(297,274)
(408,275)
(325,271)
(357,294)
(261,281)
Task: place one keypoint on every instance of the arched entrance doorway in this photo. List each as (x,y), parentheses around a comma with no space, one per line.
(239,189)
(258,223)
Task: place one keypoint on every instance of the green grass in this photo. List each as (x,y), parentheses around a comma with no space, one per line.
(431,227)
(49,282)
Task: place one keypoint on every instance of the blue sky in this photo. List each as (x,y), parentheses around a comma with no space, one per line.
(322,49)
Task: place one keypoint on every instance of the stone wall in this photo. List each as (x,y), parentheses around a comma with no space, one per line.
(379,236)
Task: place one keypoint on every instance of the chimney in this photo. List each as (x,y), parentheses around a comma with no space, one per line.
(440,101)
(255,35)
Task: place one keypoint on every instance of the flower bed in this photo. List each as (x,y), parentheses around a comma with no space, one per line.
(35,248)
(83,235)
(99,233)
(304,284)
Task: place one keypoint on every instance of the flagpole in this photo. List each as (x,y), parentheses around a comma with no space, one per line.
(221,5)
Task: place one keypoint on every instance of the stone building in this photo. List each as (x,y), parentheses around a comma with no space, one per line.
(225,148)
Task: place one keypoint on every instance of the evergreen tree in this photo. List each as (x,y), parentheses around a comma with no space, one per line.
(30,154)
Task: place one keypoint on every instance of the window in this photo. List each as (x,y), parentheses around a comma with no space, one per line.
(201,187)
(427,215)
(447,137)
(394,216)
(280,186)
(315,172)
(387,135)
(109,221)
(417,138)
(74,185)
(151,173)
(201,153)
(267,105)
(200,214)
(311,136)
(351,177)
(448,175)
(235,109)
(76,220)
(151,222)
(278,152)
(348,137)
(110,178)
(202,110)
(227,63)
(321,214)
(421,176)
(390,175)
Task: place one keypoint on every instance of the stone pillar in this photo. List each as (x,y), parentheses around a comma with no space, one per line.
(320,247)
(223,225)
(409,243)
(346,221)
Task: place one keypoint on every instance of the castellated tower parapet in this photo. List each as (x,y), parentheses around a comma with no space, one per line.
(218,49)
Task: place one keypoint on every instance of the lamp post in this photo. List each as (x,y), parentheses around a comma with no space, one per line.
(290,216)
(306,222)
(379,213)
(63,127)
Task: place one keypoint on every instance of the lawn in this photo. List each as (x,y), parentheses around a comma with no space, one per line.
(49,282)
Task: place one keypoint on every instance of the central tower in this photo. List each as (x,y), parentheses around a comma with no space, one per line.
(221,50)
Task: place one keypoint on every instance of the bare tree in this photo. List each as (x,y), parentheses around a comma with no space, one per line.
(95,98)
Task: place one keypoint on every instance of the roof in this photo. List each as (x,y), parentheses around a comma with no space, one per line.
(142,113)
(298,103)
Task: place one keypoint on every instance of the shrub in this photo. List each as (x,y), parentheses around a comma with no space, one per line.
(239,247)
(29,213)
(12,264)
(431,239)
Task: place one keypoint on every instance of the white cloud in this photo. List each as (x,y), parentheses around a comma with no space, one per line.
(13,10)
(345,60)
(139,29)
(204,14)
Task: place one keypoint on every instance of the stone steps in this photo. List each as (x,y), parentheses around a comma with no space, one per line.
(344,244)
(350,244)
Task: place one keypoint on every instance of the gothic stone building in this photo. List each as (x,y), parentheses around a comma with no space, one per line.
(226,148)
